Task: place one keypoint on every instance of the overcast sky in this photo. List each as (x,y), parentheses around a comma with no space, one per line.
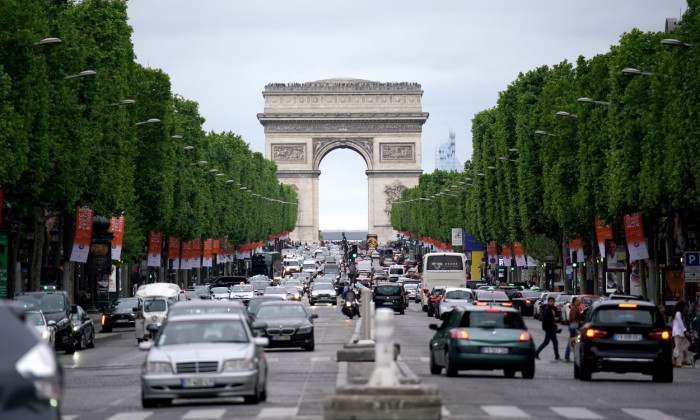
(221,54)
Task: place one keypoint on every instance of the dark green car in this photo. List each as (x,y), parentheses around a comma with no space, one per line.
(482,338)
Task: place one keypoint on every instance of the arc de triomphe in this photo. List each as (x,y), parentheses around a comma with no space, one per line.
(382,122)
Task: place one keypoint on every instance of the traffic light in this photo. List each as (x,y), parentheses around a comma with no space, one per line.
(501,269)
(353,253)
(512,269)
(574,259)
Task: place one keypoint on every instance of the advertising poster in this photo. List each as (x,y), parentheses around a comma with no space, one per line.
(207,254)
(174,252)
(116,228)
(112,280)
(615,255)
(154,245)
(634,232)
(603,232)
(520,259)
(83,235)
(674,283)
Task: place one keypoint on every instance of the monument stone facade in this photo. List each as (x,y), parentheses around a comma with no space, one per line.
(382,122)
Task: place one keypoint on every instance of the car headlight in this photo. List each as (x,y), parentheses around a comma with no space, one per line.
(235,365)
(39,367)
(76,328)
(45,335)
(305,329)
(157,367)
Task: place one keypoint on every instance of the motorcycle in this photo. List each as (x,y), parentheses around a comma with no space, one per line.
(350,307)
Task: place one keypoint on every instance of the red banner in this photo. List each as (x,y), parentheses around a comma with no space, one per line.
(492,250)
(116,227)
(634,232)
(603,232)
(216,247)
(155,240)
(207,253)
(83,234)
(520,259)
(174,252)
(187,255)
(196,253)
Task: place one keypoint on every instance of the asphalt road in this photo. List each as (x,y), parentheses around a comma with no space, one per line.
(103,383)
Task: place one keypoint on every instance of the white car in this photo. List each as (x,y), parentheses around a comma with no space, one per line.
(323,293)
(310,267)
(453,297)
(243,292)
(220,293)
(46,330)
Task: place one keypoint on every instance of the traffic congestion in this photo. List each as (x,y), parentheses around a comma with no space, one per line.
(231,346)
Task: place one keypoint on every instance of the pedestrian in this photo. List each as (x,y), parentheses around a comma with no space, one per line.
(575,322)
(680,336)
(549,325)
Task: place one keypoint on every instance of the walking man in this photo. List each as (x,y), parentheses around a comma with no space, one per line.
(575,322)
(549,325)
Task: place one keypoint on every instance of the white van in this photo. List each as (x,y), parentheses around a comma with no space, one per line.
(396,271)
(153,306)
(446,269)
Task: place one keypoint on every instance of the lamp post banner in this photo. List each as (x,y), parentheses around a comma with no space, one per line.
(154,245)
(603,232)
(196,253)
(634,232)
(174,251)
(116,228)
(576,246)
(492,250)
(507,255)
(520,259)
(186,255)
(207,253)
(83,235)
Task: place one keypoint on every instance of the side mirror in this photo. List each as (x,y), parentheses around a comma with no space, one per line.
(261,341)
(259,325)
(51,323)
(313,316)
(433,327)
(135,309)
(145,345)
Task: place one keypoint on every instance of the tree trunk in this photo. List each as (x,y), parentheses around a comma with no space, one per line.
(37,249)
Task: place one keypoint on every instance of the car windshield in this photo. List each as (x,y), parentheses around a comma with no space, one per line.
(177,310)
(587,300)
(275,291)
(410,286)
(280,312)
(531,295)
(396,271)
(126,303)
(291,289)
(243,288)
(492,319)
(204,331)
(254,303)
(46,303)
(332,269)
(323,286)
(33,318)
(309,266)
(292,283)
(631,316)
(154,305)
(563,298)
(458,294)
(260,285)
(387,291)
(219,289)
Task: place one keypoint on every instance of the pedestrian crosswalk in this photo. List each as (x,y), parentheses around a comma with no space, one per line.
(484,412)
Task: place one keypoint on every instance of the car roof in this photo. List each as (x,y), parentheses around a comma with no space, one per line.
(485,308)
(207,303)
(283,302)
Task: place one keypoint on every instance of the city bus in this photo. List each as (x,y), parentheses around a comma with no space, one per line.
(442,269)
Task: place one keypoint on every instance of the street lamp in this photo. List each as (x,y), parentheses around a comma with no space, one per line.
(675,42)
(48,41)
(211,171)
(566,114)
(124,102)
(219,174)
(630,70)
(512,149)
(506,159)
(493,168)
(481,174)
(591,101)
(176,137)
(149,121)
(544,133)
(188,147)
(81,74)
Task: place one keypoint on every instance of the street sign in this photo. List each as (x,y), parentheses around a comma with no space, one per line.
(568,261)
(691,267)
(457,237)
(492,260)
(372,241)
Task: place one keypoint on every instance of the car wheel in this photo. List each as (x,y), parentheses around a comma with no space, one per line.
(106,329)
(153,402)
(425,308)
(577,371)
(263,391)
(664,374)
(529,372)
(310,347)
(434,369)
(312,303)
(91,343)
(82,345)
(402,311)
(253,399)
(584,372)
(509,373)
(450,369)
(70,349)
(430,313)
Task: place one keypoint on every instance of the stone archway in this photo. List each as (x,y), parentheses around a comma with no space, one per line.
(382,122)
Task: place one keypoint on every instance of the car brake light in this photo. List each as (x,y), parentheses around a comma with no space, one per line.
(103,319)
(493,310)
(460,334)
(507,304)
(433,298)
(528,302)
(627,305)
(591,333)
(525,336)
(660,335)
(480,303)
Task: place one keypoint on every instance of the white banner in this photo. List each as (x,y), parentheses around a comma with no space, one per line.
(457,238)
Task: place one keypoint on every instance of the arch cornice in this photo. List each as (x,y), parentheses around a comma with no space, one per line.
(324,145)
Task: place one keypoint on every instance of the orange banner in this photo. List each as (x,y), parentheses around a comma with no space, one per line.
(207,253)
(634,232)
(116,228)
(576,247)
(186,255)
(196,253)
(520,259)
(603,232)
(174,252)
(492,250)
(155,240)
(83,234)
(216,247)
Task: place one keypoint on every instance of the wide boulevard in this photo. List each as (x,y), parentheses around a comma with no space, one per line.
(103,383)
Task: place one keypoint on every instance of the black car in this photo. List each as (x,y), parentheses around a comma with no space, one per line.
(435,296)
(119,314)
(30,377)
(285,324)
(624,336)
(83,329)
(524,301)
(227,281)
(389,295)
(56,307)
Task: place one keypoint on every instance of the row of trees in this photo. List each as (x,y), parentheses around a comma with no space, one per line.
(74,141)
(546,161)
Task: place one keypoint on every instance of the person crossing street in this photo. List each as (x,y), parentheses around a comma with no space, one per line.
(549,325)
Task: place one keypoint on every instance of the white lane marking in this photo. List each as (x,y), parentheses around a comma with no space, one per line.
(444,412)
(321,359)
(648,414)
(211,413)
(575,413)
(134,415)
(69,416)
(342,378)
(278,412)
(425,359)
(510,411)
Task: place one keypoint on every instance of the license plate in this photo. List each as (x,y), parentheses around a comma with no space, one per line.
(494,350)
(122,320)
(197,382)
(281,338)
(628,337)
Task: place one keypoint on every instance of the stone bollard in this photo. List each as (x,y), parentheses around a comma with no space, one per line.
(385,370)
(366,309)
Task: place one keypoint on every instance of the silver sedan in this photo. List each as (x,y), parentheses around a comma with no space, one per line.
(204,356)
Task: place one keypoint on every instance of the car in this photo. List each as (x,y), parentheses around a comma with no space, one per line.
(433,298)
(454,296)
(203,292)
(491,297)
(259,286)
(297,284)
(482,338)
(56,306)
(197,307)
(204,356)
(220,292)
(411,287)
(323,293)
(257,300)
(119,314)
(285,324)
(524,301)
(30,376)
(559,301)
(276,290)
(542,302)
(624,336)
(475,284)
(37,322)
(83,329)
(242,292)
(191,295)
(389,295)
(226,281)
(293,293)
